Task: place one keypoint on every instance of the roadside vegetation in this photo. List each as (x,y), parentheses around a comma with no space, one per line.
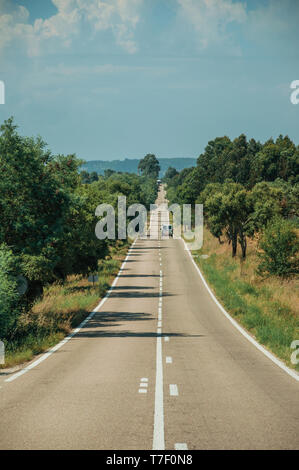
(267,307)
(61,308)
(48,246)
(250,194)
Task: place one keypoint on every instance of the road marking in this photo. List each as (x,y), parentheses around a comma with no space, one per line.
(159,323)
(271,356)
(142,390)
(144,379)
(143,385)
(173,390)
(74,332)
(166,338)
(168,360)
(180,446)
(158,438)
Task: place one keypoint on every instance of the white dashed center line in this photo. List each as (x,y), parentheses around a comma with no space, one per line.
(143,385)
(158,437)
(181,446)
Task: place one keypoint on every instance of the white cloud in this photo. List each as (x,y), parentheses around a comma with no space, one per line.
(118,16)
(210,18)
(274,26)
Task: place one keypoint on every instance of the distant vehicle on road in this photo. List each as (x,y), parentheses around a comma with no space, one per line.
(167,230)
(159,182)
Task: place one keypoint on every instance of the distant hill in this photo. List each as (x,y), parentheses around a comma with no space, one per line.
(129,165)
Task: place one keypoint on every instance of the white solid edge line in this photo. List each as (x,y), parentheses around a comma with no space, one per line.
(261,348)
(73,333)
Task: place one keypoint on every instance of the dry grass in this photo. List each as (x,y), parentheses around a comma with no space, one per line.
(268,308)
(281,290)
(62,307)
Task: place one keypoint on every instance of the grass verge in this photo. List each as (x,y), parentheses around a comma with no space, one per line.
(267,308)
(62,307)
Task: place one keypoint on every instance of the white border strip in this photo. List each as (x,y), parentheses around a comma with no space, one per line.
(75,331)
(274,359)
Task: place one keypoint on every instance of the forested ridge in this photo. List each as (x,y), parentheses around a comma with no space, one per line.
(130,165)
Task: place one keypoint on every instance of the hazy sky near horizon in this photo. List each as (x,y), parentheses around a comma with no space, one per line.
(122,78)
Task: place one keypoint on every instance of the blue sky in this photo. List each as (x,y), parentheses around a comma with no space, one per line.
(122,78)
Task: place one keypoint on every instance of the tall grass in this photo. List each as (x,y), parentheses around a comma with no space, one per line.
(62,307)
(268,309)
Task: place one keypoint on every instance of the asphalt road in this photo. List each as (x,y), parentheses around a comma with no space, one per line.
(158,366)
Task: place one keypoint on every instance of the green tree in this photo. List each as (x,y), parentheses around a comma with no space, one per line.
(85,177)
(93,176)
(43,219)
(228,208)
(108,172)
(170,173)
(149,166)
(280,249)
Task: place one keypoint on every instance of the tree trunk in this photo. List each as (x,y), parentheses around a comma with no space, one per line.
(234,242)
(243,243)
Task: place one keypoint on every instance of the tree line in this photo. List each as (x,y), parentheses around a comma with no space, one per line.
(47,211)
(248,189)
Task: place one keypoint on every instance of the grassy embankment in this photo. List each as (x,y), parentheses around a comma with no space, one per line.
(61,308)
(267,308)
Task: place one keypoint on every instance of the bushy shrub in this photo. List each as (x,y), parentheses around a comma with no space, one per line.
(280,245)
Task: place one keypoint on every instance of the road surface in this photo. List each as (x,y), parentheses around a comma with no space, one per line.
(157,367)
